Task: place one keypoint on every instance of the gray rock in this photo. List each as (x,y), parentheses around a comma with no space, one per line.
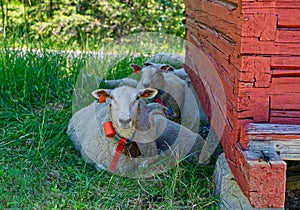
(231,196)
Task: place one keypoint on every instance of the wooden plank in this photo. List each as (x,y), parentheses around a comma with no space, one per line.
(294,82)
(286,73)
(265,182)
(225,12)
(285,93)
(260,109)
(256,178)
(287,149)
(292,157)
(210,98)
(285,113)
(254,129)
(284,147)
(262,26)
(286,101)
(221,83)
(288,62)
(245,97)
(246,78)
(262,7)
(260,154)
(285,120)
(256,108)
(288,18)
(234,2)
(229,70)
(221,18)
(255,47)
(268,132)
(259,67)
(253,103)
(290,4)
(288,35)
(219,48)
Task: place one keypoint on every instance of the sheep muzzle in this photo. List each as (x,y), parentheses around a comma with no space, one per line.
(125,120)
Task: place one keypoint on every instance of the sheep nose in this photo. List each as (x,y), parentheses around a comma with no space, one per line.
(125,120)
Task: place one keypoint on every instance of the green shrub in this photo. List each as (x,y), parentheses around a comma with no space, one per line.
(88,24)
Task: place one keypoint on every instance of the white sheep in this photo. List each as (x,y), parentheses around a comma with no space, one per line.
(175,93)
(160,142)
(174,63)
(180,97)
(181,73)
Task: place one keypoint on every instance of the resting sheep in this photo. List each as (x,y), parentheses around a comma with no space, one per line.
(160,142)
(181,73)
(175,93)
(174,62)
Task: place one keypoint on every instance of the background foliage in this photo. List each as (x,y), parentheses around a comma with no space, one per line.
(86,24)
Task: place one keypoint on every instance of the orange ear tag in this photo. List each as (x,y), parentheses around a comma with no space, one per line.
(135,71)
(109,129)
(102,99)
(146,95)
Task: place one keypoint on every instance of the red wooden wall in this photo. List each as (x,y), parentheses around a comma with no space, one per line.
(255,48)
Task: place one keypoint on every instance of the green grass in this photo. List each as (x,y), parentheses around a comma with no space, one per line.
(39,168)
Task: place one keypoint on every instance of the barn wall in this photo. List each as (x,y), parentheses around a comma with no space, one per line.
(255,49)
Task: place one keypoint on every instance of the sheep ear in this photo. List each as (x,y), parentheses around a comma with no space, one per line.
(104,92)
(101,95)
(148,93)
(164,67)
(148,64)
(170,68)
(135,68)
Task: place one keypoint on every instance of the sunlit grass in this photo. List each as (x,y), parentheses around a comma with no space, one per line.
(39,168)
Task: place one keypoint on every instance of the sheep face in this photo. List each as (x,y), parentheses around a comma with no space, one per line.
(125,103)
(152,74)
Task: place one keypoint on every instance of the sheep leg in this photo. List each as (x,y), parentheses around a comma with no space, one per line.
(178,140)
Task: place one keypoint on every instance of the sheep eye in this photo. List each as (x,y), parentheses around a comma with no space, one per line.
(137,98)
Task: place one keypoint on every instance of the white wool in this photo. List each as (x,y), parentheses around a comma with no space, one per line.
(87,134)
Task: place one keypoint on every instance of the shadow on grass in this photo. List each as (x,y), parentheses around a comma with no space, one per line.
(39,168)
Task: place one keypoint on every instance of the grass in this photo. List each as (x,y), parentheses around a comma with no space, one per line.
(39,168)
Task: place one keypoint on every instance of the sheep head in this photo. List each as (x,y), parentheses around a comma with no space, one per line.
(124,104)
(152,74)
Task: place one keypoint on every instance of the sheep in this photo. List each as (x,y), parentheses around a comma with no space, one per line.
(174,62)
(174,89)
(181,73)
(175,93)
(180,98)
(160,141)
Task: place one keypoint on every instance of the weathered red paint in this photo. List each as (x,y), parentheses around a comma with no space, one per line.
(256,51)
